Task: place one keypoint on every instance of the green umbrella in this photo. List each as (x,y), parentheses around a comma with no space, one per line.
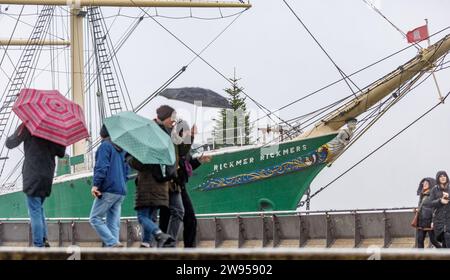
(141,137)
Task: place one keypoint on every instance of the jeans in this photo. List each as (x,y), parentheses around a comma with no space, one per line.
(421,234)
(37,219)
(110,206)
(149,227)
(171,219)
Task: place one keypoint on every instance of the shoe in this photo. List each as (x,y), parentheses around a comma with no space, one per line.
(164,240)
(170,243)
(46,243)
(117,245)
(145,245)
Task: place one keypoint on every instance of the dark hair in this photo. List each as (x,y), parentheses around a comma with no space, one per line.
(164,112)
(439,174)
(104,132)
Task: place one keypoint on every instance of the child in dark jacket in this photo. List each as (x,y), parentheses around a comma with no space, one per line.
(109,189)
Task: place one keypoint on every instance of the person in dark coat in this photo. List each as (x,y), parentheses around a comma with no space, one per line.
(152,192)
(425,215)
(37,174)
(185,166)
(166,118)
(439,198)
(152,189)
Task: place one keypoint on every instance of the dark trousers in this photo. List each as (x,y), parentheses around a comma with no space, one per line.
(444,238)
(189,220)
(421,234)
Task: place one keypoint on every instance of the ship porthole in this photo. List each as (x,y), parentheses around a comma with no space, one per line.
(266,205)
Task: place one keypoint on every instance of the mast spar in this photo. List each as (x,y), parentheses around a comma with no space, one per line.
(424,61)
(76,32)
(133,3)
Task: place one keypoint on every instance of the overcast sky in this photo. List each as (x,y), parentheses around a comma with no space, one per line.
(279,62)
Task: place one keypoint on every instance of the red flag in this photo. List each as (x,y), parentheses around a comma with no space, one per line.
(418,34)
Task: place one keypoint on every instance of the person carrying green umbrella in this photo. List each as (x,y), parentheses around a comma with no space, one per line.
(150,152)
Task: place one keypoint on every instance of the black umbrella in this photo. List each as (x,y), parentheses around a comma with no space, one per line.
(208,98)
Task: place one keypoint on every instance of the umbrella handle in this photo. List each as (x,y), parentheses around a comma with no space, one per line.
(21,127)
(195,114)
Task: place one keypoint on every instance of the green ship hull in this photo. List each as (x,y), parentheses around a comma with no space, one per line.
(246,179)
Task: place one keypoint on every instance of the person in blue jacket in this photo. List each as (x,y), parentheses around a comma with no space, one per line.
(109,189)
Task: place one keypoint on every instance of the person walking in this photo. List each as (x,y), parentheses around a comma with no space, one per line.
(186,164)
(166,119)
(425,215)
(109,190)
(438,200)
(152,192)
(37,176)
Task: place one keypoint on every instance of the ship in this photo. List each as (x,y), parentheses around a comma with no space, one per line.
(270,176)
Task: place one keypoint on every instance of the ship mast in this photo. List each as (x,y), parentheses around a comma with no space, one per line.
(424,61)
(76,33)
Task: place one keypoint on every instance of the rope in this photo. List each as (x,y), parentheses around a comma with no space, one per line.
(10,38)
(352,74)
(417,46)
(179,72)
(341,72)
(32,26)
(259,105)
(302,203)
(160,89)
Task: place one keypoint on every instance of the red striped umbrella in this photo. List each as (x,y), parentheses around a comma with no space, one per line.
(49,115)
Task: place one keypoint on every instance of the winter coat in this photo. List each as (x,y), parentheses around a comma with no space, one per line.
(39,163)
(149,192)
(425,210)
(441,218)
(111,169)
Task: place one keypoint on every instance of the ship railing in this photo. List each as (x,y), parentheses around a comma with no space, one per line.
(307,212)
(255,213)
(357,228)
(222,136)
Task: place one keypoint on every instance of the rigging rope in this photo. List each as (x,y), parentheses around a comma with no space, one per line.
(32,26)
(177,74)
(9,41)
(341,72)
(302,203)
(371,5)
(259,105)
(340,80)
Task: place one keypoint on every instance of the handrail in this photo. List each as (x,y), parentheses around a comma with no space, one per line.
(240,214)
